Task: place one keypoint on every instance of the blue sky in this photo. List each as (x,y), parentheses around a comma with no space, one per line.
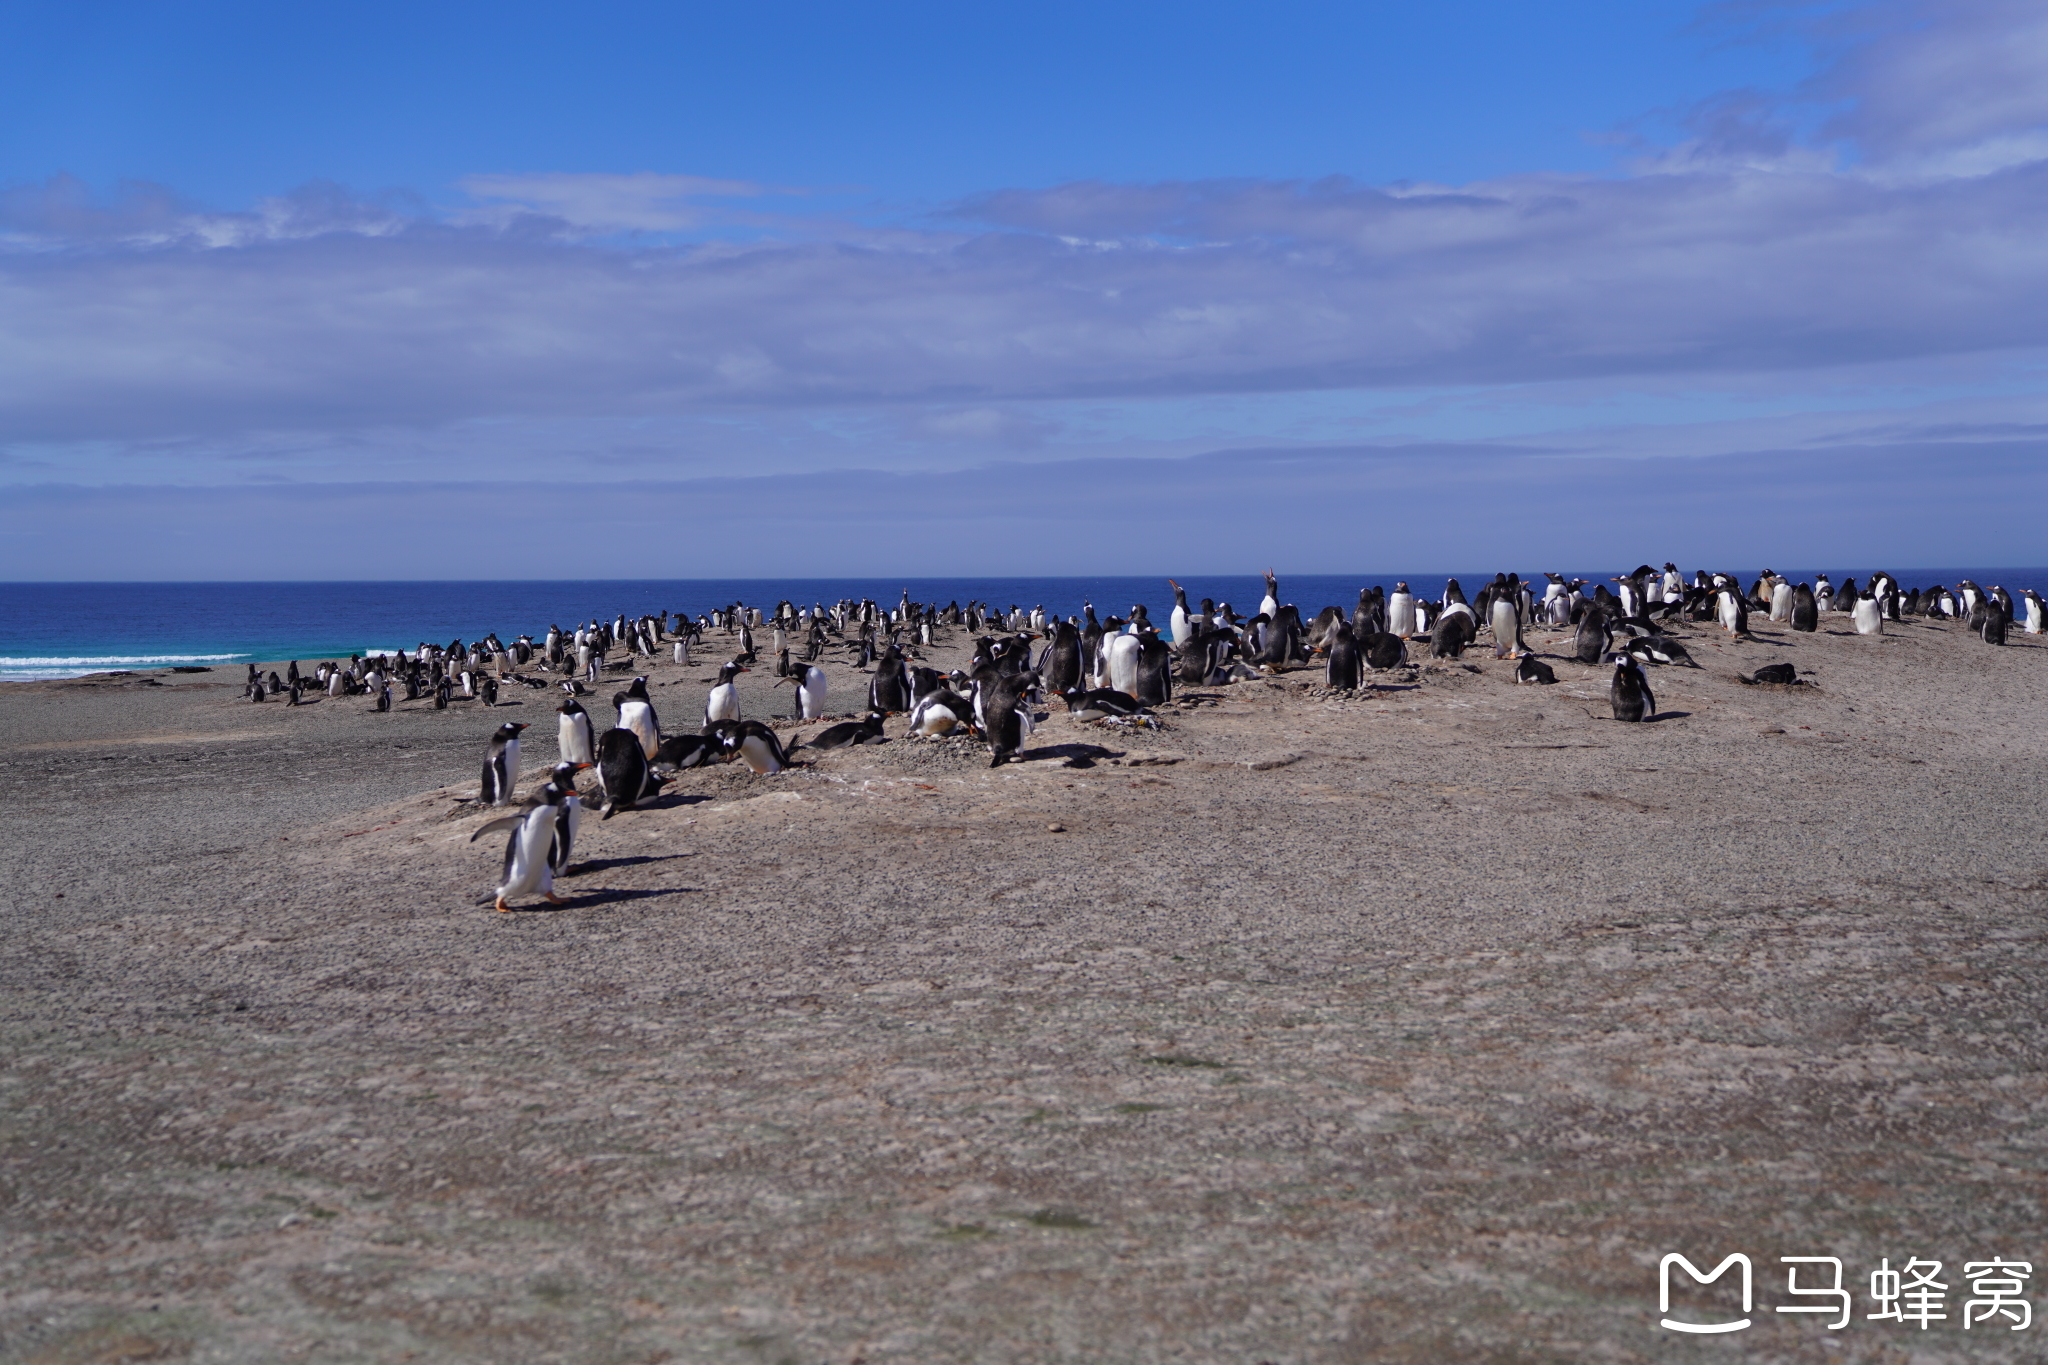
(809,289)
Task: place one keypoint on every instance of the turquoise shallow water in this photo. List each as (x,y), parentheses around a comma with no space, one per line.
(53,630)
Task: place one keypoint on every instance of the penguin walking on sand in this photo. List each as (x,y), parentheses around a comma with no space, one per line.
(529,865)
(636,713)
(568,815)
(724,701)
(1006,711)
(574,737)
(501,765)
(1630,692)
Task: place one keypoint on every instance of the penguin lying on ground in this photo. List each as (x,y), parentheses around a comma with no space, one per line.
(1783,674)
(623,772)
(1660,649)
(1103,702)
(1533,670)
(846,734)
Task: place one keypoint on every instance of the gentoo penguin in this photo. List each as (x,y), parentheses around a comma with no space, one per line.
(1102,702)
(383,697)
(1452,634)
(940,713)
(1781,600)
(847,733)
(1733,611)
(568,814)
(528,865)
(682,646)
(889,689)
(501,765)
(1006,709)
(686,751)
(811,684)
(1866,613)
(1343,670)
(1505,616)
(1660,649)
(1401,612)
(724,701)
(623,773)
(636,713)
(1993,627)
(2037,612)
(574,736)
(1123,652)
(1591,641)
(1060,665)
(1269,605)
(1177,624)
(1155,669)
(1805,610)
(1384,649)
(1533,670)
(1782,674)
(754,744)
(1630,692)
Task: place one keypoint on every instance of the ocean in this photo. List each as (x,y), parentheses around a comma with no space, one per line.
(62,630)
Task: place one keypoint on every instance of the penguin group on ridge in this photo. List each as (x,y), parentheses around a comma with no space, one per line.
(1105,669)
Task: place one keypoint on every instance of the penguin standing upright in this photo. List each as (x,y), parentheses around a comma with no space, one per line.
(1060,665)
(1005,706)
(1505,616)
(2037,612)
(528,862)
(1269,605)
(1630,691)
(1155,670)
(1869,618)
(636,713)
(1121,653)
(1805,610)
(1178,622)
(568,815)
(574,737)
(623,772)
(1591,641)
(1342,671)
(724,701)
(1781,600)
(1401,611)
(811,685)
(501,765)
(889,689)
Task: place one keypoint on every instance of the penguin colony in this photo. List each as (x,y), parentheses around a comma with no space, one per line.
(1112,670)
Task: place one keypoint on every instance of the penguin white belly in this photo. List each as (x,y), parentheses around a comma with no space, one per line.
(1123,664)
(682,651)
(932,720)
(1503,614)
(811,692)
(528,855)
(1781,602)
(638,717)
(723,704)
(2033,616)
(758,756)
(1401,614)
(572,735)
(1869,621)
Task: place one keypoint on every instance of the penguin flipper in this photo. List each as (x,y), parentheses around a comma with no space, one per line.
(498,826)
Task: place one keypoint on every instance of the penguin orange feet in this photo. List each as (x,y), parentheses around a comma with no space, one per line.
(553,899)
(502,907)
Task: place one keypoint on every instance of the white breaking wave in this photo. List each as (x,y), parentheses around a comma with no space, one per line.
(46,667)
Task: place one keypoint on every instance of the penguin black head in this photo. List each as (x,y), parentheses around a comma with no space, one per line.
(510,729)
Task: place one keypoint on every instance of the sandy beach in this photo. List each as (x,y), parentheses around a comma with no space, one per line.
(1415,1024)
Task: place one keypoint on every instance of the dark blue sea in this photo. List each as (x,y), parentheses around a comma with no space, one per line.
(56,630)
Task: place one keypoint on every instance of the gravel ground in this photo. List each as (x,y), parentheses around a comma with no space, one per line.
(1416,1024)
